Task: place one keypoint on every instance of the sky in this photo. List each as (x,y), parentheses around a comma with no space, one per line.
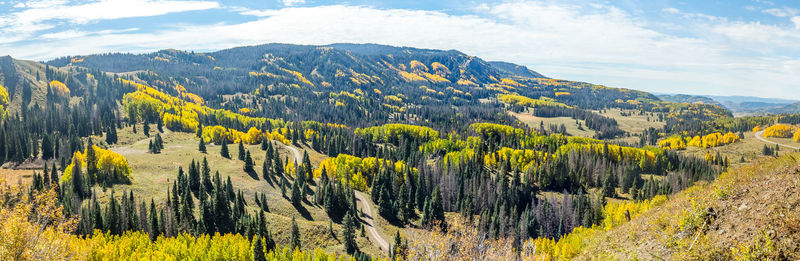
(709,47)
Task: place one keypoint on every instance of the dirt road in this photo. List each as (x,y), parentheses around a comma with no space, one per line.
(370,223)
(758,136)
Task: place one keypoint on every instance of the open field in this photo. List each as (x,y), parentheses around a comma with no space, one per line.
(535,122)
(633,123)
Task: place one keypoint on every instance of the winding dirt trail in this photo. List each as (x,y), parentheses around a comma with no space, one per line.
(298,158)
(374,236)
(370,223)
(758,136)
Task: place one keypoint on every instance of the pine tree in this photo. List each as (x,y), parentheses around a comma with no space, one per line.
(436,210)
(199,133)
(91,162)
(146,129)
(224,150)
(295,236)
(201,146)
(296,194)
(209,187)
(241,150)
(248,163)
(265,169)
(194,177)
(154,231)
(111,134)
(348,234)
(47,148)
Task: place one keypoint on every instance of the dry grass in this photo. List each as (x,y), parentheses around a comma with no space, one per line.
(535,122)
(749,213)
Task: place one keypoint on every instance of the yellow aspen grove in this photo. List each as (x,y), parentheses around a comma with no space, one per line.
(3,102)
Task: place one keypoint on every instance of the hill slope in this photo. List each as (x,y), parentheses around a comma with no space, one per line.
(747,214)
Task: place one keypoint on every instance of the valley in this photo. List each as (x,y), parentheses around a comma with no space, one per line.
(373,152)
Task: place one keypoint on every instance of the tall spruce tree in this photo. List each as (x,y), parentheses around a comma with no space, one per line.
(224,150)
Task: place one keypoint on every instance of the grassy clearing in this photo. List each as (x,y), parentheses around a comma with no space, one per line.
(633,123)
(535,122)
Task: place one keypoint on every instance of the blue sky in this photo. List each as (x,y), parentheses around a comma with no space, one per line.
(732,47)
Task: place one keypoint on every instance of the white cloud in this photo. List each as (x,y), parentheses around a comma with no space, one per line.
(42,15)
(292,2)
(796,21)
(782,12)
(671,10)
(756,32)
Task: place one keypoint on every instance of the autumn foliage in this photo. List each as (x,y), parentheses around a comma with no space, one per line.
(59,88)
(111,166)
(3,102)
(706,141)
(780,131)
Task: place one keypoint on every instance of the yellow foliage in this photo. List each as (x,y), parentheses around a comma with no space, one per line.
(706,141)
(494,129)
(435,78)
(417,65)
(520,159)
(780,131)
(76,60)
(110,166)
(393,99)
(138,246)
(160,59)
(34,226)
(394,132)
(529,102)
(672,143)
(440,69)
(356,170)
(562,93)
(510,82)
(3,102)
(299,76)
(59,88)
(466,82)
(411,77)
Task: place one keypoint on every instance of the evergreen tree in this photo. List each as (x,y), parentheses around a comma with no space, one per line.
(91,162)
(154,228)
(47,148)
(296,194)
(224,150)
(295,236)
(241,150)
(248,163)
(194,177)
(349,235)
(208,186)
(201,146)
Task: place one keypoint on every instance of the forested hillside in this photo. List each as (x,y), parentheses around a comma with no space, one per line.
(282,152)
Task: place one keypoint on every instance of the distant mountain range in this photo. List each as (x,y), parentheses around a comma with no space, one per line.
(739,105)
